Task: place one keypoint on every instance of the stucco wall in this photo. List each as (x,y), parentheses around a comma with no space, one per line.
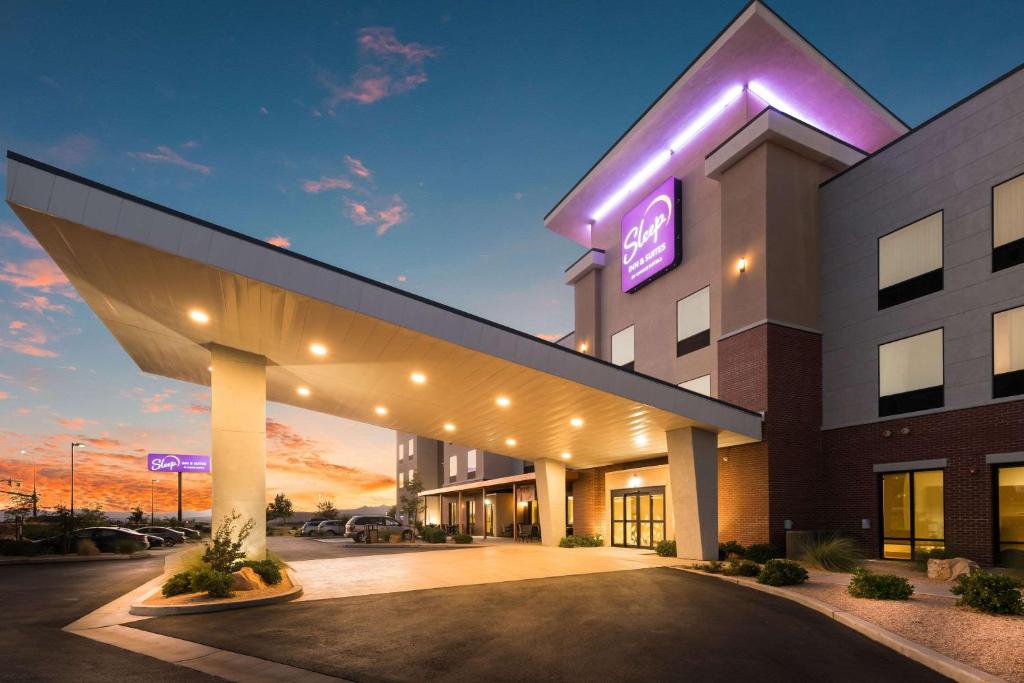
(951,165)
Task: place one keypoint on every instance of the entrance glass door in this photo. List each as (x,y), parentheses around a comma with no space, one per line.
(489,516)
(638,517)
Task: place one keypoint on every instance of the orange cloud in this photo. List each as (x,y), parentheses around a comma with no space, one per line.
(157,403)
(23,238)
(26,339)
(164,154)
(41,273)
(41,304)
(74,422)
(387,67)
(326,183)
(356,167)
(386,218)
(279,241)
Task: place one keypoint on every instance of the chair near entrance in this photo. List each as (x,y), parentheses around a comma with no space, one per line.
(528,533)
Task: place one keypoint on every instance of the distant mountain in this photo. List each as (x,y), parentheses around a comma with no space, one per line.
(204,515)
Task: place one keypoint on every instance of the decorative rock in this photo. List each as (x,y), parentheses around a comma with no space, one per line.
(245,579)
(947,570)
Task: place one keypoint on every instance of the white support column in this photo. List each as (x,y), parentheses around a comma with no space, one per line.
(693,475)
(238,414)
(551,499)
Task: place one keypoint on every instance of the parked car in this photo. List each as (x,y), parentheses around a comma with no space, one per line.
(330,527)
(190,534)
(105,538)
(171,537)
(154,541)
(309,528)
(357,527)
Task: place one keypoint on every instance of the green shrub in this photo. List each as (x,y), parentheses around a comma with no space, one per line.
(833,553)
(178,584)
(988,592)
(214,583)
(762,552)
(781,573)
(864,584)
(462,538)
(712,567)
(730,548)
(268,570)
(666,548)
(433,534)
(86,548)
(737,567)
(582,541)
(8,546)
(224,550)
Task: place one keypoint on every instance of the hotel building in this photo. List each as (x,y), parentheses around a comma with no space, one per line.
(770,235)
(792,313)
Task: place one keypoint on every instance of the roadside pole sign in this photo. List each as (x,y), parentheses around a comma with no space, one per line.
(176,462)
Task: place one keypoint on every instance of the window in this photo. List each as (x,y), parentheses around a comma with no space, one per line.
(471,464)
(453,468)
(401,479)
(622,348)
(410,476)
(700,385)
(693,322)
(910,262)
(401,451)
(1008,353)
(913,516)
(1010,503)
(910,374)
(412,448)
(1008,223)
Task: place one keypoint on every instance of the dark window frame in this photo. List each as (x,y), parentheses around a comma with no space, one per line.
(912,540)
(918,286)
(611,348)
(1005,255)
(1012,383)
(701,339)
(919,399)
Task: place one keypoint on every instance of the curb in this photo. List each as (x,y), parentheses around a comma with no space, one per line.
(140,609)
(936,661)
(63,559)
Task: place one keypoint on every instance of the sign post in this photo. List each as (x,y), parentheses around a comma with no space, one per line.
(170,462)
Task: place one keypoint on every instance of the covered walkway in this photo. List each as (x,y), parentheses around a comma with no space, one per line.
(194,301)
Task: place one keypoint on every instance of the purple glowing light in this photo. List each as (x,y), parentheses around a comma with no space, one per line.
(661,158)
(772,99)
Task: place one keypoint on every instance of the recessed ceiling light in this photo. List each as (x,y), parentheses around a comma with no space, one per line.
(318,349)
(418,378)
(640,440)
(566,456)
(303,391)
(199,316)
(510,442)
(576,422)
(503,401)
(449,427)
(380,410)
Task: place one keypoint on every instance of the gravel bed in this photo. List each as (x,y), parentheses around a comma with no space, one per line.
(989,642)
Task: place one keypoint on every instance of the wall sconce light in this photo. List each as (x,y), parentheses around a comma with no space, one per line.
(905,430)
(583,347)
(887,433)
(787,524)
(741,265)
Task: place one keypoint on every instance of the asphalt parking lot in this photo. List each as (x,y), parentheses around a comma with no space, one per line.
(298,548)
(647,624)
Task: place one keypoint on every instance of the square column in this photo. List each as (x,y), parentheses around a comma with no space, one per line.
(551,499)
(693,475)
(238,420)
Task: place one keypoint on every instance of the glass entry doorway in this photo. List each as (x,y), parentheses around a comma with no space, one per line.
(638,517)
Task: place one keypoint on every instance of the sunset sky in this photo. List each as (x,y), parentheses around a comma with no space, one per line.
(419,144)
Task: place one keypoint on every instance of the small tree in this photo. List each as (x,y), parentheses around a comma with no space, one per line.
(325,508)
(281,508)
(137,516)
(91,516)
(223,551)
(393,511)
(410,503)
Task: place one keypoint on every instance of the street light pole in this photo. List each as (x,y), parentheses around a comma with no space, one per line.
(152,499)
(74,445)
(35,497)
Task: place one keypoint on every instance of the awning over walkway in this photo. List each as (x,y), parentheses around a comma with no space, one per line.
(151,274)
(495,483)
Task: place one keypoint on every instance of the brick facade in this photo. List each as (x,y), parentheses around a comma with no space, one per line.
(590,499)
(964,437)
(743,493)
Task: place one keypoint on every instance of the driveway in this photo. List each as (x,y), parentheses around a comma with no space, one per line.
(650,624)
(299,548)
(38,600)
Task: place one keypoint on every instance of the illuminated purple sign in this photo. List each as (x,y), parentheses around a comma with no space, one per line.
(651,236)
(170,462)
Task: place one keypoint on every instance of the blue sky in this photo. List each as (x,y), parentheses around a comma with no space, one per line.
(416,143)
